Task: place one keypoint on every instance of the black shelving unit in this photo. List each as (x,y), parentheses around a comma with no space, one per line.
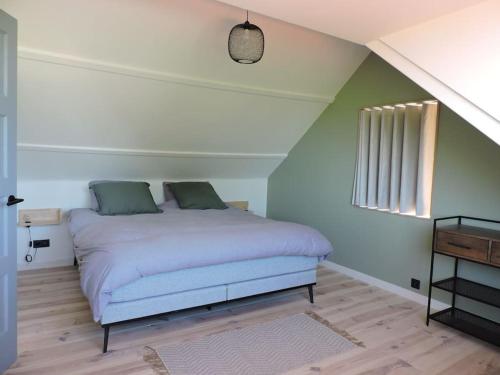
(459,319)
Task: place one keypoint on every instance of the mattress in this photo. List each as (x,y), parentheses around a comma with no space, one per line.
(221,274)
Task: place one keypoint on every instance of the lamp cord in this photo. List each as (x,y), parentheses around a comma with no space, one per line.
(28,257)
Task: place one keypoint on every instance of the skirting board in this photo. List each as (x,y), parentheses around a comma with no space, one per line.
(40,265)
(393,288)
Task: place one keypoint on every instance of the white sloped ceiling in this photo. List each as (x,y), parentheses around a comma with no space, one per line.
(359,21)
(448,47)
(120,84)
(457,59)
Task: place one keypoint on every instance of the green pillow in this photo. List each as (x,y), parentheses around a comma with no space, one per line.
(124,198)
(196,195)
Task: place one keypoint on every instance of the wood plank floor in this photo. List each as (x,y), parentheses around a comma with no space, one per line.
(57,334)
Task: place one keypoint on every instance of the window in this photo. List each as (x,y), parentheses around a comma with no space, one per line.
(395,158)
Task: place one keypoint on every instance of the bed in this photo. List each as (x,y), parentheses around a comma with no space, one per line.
(138,266)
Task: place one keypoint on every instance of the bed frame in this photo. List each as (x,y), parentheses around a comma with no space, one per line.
(207,286)
(282,277)
(208,306)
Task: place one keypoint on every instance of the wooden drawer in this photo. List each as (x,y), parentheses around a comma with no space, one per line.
(463,246)
(495,252)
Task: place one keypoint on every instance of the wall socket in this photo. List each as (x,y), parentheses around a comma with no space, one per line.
(415,283)
(40,243)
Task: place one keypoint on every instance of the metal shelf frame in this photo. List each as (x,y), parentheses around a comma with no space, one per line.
(464,321)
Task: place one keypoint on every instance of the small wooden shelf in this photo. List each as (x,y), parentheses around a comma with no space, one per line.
(39,217)
(242,205)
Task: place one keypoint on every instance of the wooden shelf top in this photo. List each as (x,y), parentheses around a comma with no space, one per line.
(473,231)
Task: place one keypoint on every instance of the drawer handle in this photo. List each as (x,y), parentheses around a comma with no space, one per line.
(459,245)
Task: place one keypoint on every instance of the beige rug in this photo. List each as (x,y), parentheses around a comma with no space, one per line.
(262,349)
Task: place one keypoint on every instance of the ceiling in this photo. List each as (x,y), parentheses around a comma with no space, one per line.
(458,68)
(359,21)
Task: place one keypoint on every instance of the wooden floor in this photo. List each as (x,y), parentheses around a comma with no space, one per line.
(58,336)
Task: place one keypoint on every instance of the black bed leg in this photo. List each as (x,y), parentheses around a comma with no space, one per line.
(311,295)
(75,262)
(106,337)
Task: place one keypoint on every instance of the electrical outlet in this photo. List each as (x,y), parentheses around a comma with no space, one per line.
(41,243)
(415,283)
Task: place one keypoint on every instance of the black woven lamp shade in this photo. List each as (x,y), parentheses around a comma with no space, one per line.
(246,43)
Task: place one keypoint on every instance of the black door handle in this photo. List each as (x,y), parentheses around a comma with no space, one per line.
(12,200)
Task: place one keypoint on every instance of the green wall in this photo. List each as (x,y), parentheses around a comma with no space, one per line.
(314,184)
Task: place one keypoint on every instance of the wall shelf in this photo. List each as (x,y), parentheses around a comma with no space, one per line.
(39,217)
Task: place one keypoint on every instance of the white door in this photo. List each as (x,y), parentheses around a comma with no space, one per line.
(8,109)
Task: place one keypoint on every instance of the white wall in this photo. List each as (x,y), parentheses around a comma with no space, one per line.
(156,75)
(79,106)
(185,38)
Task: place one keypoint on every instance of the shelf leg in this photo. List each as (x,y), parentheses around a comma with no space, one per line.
(430,276)
(453,298)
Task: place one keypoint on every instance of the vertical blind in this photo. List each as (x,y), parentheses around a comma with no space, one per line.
(395,158)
